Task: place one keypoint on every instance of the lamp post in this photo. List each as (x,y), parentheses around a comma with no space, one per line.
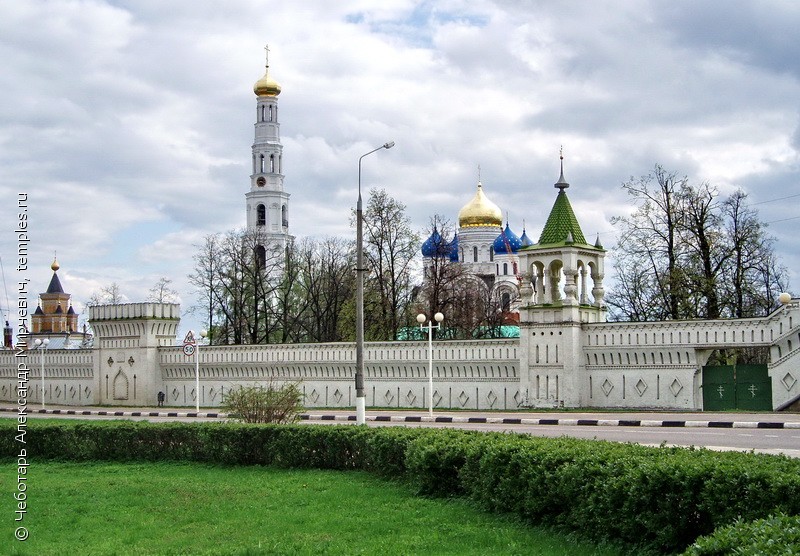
(203,334)
(41,344)
(421,318)
(361,402)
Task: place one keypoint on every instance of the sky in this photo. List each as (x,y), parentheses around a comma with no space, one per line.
(128,125)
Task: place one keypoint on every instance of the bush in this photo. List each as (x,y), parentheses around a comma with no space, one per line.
(273,404)
(779,534)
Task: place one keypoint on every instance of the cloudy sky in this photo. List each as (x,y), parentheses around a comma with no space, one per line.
(128,124)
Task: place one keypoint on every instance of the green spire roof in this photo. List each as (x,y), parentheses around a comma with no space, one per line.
(561,223)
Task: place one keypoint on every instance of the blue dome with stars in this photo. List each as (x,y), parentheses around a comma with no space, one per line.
(507,242)
(454,249)
(435,246)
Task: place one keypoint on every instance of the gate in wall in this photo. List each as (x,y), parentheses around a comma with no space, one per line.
(746,387)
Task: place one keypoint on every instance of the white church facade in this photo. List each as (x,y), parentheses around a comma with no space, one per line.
(567,355)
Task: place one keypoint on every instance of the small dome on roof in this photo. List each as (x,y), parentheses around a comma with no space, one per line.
(454,249)
(435,246)
(525,240)
(507,242)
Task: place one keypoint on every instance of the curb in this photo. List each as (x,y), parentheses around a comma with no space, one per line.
(442,419)
(562,422)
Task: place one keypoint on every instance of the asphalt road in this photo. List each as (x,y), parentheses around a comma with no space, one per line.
(773,433)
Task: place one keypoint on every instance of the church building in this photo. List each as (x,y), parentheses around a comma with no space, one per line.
(560,269)
(55,319)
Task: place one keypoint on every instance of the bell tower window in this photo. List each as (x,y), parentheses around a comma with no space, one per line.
(261,215)
(284,217)
(475,254)
(261,165)
(261,256)
(272,163)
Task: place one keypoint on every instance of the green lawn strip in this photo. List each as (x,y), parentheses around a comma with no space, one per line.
(185,508)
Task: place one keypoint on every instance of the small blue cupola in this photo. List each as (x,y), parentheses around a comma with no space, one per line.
(435,246)
(507,243)
(454,249)
(525,240)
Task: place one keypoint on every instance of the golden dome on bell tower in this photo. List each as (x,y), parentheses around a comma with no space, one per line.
(267,86)
(480,211)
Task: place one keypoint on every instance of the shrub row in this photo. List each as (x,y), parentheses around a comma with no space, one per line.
(779,534)
(658,499)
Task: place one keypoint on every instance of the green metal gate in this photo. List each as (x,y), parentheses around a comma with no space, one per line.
(745,387)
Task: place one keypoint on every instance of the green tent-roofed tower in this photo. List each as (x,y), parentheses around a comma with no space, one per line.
(562,226)
(563,273)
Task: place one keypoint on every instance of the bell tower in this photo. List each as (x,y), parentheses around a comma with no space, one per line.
(267,202)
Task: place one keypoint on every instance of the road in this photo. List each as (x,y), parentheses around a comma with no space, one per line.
(773,433)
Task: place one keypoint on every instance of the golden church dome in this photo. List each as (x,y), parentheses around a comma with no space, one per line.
(480,211)
(266,86)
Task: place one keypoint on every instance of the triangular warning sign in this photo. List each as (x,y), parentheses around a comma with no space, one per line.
(189,339)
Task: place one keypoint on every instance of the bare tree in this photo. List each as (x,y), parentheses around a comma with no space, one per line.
(238,274)
(110,294)
(206,279)
(754,278)
(448,287)
(684,253)
(651,235)
(390,249)
(162,293)
(327,285)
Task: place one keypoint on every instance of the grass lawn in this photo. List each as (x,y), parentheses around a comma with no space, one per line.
(183,508)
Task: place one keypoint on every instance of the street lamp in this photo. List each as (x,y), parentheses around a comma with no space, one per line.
(203,334)
(41,344)
(361,402)
(421,318)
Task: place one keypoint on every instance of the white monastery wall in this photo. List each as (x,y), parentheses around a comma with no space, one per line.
(572,364)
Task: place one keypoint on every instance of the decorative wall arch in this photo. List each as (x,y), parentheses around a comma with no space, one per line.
(120,385)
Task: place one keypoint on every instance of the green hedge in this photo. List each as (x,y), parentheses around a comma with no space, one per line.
(657,499)
(778,534)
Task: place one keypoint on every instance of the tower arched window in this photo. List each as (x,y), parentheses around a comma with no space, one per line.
(475,254)
(284,217)
(261,164)
(263,112)
(270,112)
(505,268)
(261,256)
(491,252)
(506,301)
(280,163)
(254,163)
(261,215)
(272,163)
